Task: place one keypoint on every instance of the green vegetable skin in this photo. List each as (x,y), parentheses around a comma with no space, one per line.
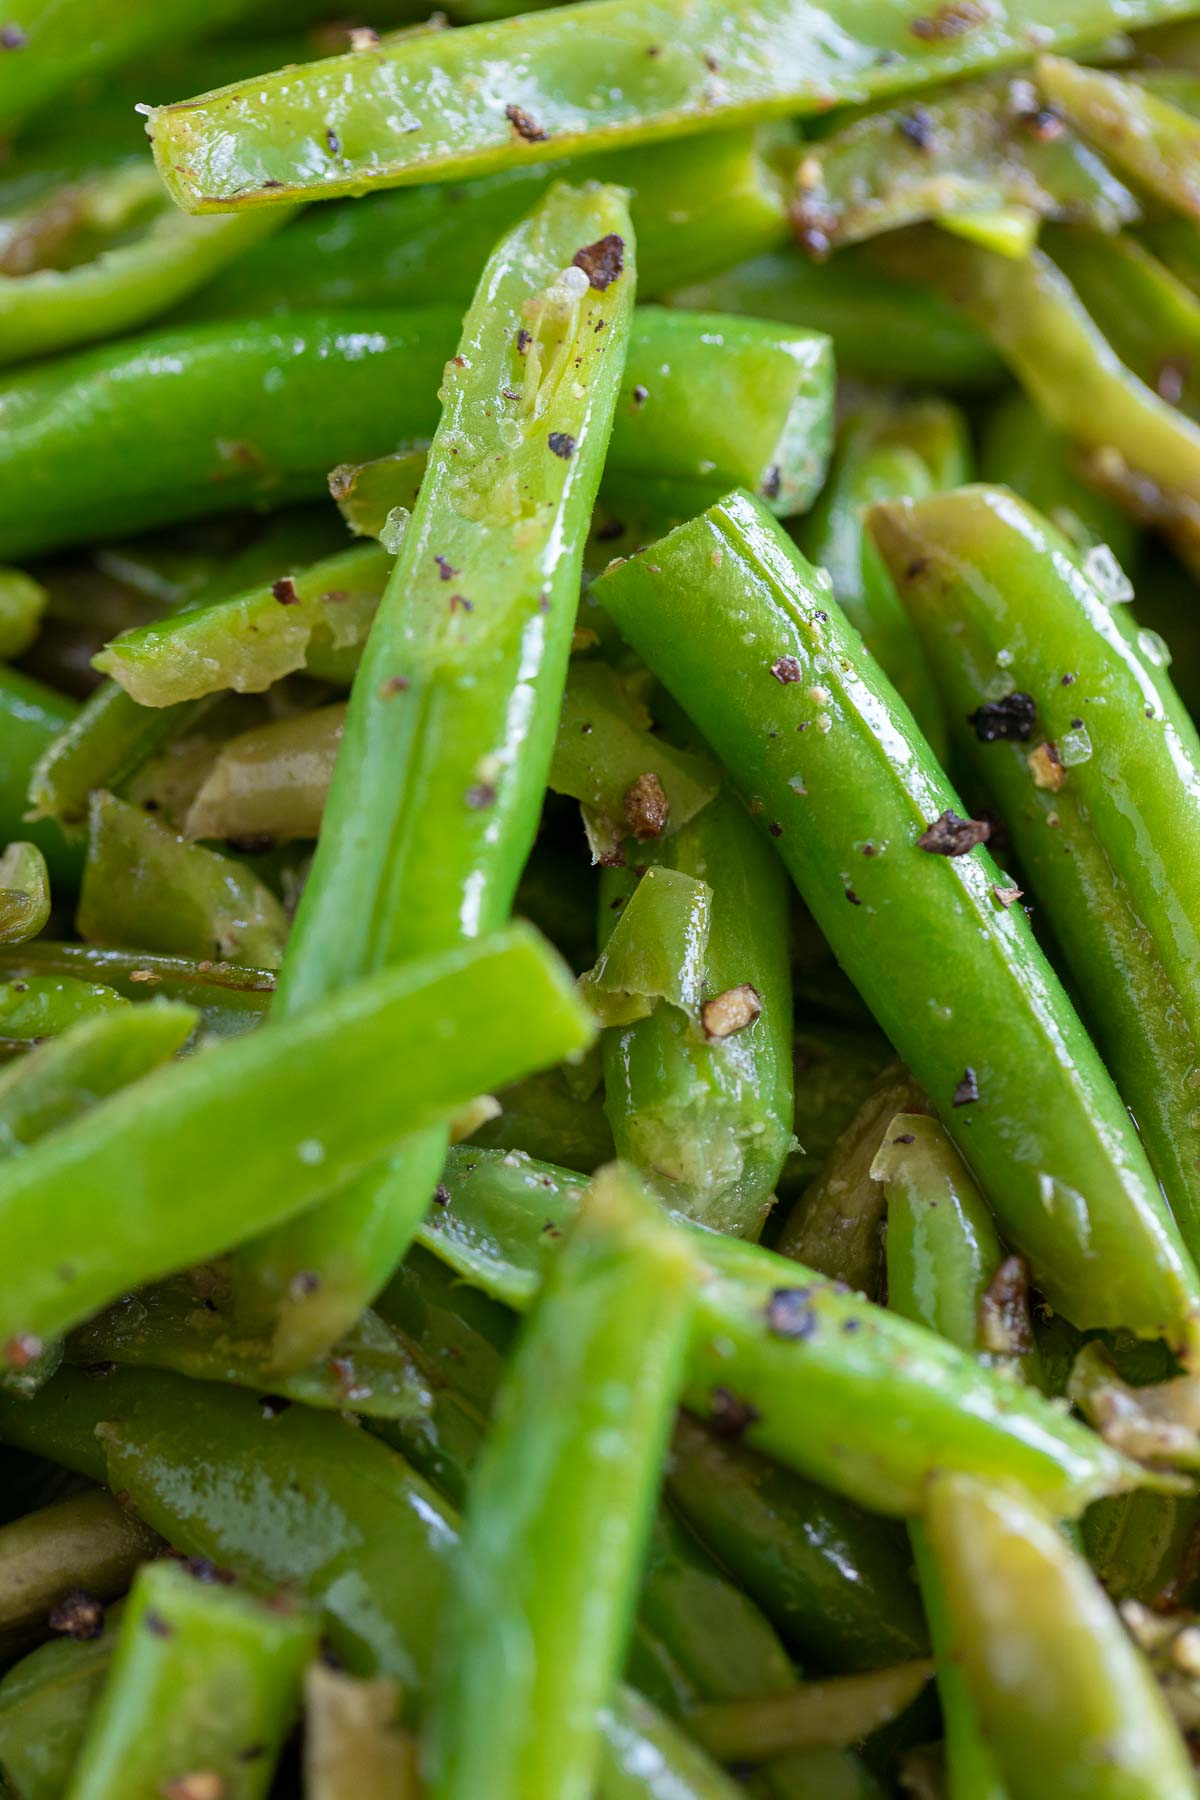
(46,1701)
(1070,1709)
(1154,143)
(301,1128)
(203,1678)
(448,738)
(31,716)
(560,1509)
(793,1390)
(62,1078)
(229,1000)
(559,82)
(980,1021)
(708,1119)
(86,1541)
(349,1526)
(24,893)
(1112,852)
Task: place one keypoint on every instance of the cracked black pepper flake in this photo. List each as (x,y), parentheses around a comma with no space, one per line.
(78,1615)
(206,1571)
(483,794)
(951,21)
(647,808)
(775,828)
(772,482)
(1068,680)
(1009,720)
(1005,896)
(12,37)
(730,1416)
(304,1283)
(918,128)
(156,1625)
(272,183)
(603,261)
(967,1090)
(638,398)
(525,125)
(852,897)
(441,1194)
(460,603)
(562,444)
(1045,125)
(333,140)
(524,339)
(445,572)
(951,836)
(904,1137)
(395,684)
(787,669)
(790,1313)
(284,591)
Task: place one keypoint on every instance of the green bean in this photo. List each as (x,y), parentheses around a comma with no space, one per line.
(1019,450)
(560,1509)
(882,332)
(251,639)
(46,1700)
(1156,144)
(697,207)
(271,781)
(1068,1704)
(59,1564)
(496,1226)
(978,149)
(832,1579)
(107,742)
(31,717)
(818,1715)
(204,1684)
(559,83)
(35,1006)
(487,577)
(1103,840)
(24,893)
(300,1133)
(834,1069)
(351,1527)
(229,1000)
(836,1227)
(698,1085)
(51,49)
(1069,1182)
(906,450)
(1133,443)
(352,1748)
(198,421)
(178,1325)
(1142,1546)
(22,603)
(144,885)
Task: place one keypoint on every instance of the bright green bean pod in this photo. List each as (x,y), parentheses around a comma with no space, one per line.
(557,83)
(49,48)
(1154,143)
(906,450)
(979,148)
(891,843)
(1098,778)
(106,743)
(456,700)
(229,1000)
(22,603)
(301,1131)
(62,1559)
(42,1006)
(46,1700)
(352,1528)
(63,1077)
(697,207)
(785,1357)
(832,1578)
(853,790)
(31,716)
(836,1227)
(204,1681)
(1068,1706)
(143,885)
(176,1325)
(1135,444)
(566,1483)
(699,1096)
(879,331)
(188,423)
(50,310)
(24,893)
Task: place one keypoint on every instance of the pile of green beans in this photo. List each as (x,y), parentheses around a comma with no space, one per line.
(600,900)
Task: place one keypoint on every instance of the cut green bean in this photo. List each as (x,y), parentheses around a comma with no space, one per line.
(271,782)
(178,1325)
(818,1715)
(22,603)
(565,1484)
(46,1700)
(106,743)
(24,893)
(748,1354)
(58,1567)
(36,1006)
(557,83)
(145,886)
(204,1687)
(300,1130)
(1068,1704)
(229,1000)
(487,578)
(31,716)
(887,845)
(1098,779)
(1154,143)
(698,1086)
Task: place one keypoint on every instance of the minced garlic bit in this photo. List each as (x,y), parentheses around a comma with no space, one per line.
(1045,765)
(731,1011)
